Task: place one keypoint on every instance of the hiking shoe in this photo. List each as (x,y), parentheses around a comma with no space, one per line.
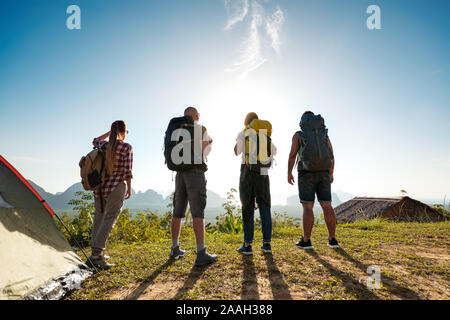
(333,243)
(176,253)
(266,248)
(204,258)
(247,250)
(98,262)
(305,245)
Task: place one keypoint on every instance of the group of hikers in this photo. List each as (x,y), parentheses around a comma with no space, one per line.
(187,145)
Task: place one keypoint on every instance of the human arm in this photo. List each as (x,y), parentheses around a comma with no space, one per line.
(205,145)
(296,141)
(239,146)
(332,167)
(128,193)
(274,150)
(206,142)
(96,141)
(128,165)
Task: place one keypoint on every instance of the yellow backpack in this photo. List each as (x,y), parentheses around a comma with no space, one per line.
(258,144)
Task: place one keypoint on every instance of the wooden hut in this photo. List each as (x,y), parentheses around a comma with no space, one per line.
(397,209)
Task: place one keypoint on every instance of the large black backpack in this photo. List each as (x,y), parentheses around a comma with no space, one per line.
(315,153)
(186,123)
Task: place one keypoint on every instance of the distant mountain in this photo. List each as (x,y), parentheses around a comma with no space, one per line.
(214,199)
(154,201)
(149,199)
(44,194)
(58,201)
(344,196)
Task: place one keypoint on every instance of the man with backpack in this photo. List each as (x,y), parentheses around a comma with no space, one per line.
(186,146)
(255,145)
(316,162)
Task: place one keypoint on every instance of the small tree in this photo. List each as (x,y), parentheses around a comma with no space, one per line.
(166,220)
(231,220)
(81,225)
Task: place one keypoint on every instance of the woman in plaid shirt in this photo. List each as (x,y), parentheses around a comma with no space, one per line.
(119,163)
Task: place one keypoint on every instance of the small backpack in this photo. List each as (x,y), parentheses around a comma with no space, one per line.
(186,123)
(93,169)
(314,153)
(262,149)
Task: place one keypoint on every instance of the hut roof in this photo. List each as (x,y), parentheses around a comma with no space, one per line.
(369,207)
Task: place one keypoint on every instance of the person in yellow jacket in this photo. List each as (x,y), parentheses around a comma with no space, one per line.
(254,184)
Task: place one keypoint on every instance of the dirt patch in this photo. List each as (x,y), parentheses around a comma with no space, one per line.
(418,286)
(273,288)
(431,252)
(121,294)
(436,253)
(164,289)
(275,278)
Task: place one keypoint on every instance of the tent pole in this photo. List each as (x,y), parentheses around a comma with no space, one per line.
(78,245)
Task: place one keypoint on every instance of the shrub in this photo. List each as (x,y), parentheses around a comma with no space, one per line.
(80,226)
(231,220)
(144,226)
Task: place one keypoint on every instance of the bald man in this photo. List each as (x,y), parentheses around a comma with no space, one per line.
(190,187)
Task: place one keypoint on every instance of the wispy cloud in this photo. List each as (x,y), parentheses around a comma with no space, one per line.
(273,27)
(262,29)
(237,11)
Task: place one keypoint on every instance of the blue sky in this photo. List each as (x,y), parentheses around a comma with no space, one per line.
(384,93)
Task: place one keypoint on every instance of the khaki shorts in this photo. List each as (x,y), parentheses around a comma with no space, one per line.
(190,187)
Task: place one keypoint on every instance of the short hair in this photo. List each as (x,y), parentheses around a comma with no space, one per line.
(190,111)
(249,118)
(307,112)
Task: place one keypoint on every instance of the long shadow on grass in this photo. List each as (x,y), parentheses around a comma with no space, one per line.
(194,275)
(393,287)
(348,281)
(148,281)
(249,281)
(280,289)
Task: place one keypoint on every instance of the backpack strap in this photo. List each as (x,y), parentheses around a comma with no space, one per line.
(298,161)
(101,175)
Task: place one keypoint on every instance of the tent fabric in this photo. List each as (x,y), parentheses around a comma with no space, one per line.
(33,251)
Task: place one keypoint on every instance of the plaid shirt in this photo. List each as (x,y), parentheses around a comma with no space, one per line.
(123,164)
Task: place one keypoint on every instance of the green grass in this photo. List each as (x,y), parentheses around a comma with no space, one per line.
(413,258)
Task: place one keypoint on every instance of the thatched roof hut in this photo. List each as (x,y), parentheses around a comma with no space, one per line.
(398,209)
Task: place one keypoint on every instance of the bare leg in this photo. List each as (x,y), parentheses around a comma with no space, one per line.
(199,230)
(176,228)
(308,220)
(330,219)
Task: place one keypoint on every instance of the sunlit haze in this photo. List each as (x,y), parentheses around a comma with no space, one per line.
(383,93)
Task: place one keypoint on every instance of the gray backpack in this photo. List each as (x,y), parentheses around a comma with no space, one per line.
(315,154)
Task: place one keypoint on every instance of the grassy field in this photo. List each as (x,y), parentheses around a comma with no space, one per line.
(413,258)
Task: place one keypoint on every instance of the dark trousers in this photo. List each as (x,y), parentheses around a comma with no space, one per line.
(254,187)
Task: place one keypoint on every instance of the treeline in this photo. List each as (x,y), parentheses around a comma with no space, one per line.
(147,225)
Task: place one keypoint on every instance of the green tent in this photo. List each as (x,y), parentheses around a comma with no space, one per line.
(36,260)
